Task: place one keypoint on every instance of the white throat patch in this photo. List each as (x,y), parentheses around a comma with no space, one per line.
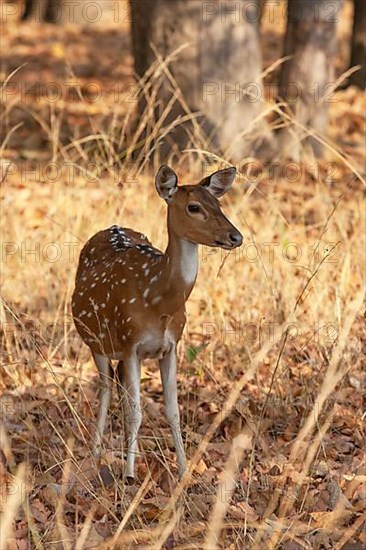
(189,261)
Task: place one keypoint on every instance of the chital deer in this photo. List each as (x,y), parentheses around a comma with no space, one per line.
(129,298)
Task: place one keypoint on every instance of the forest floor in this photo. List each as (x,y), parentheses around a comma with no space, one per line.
(272,362)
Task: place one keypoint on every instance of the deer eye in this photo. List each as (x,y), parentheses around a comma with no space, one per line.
(193,208)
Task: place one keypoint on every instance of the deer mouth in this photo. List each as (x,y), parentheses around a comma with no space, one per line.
(226,245)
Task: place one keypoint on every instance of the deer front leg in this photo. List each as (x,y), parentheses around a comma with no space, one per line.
(132,409)
(105,389)
(168,371)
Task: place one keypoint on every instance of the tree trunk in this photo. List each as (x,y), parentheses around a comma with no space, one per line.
(306,79)
(41,10)
(80,12)
(29,10)
(358,48)
(52,12)
(217,70)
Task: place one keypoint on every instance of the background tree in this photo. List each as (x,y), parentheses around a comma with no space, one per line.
(307,77)
(43,10)
(28,9)
(358,46)
(218,69)
(66,11)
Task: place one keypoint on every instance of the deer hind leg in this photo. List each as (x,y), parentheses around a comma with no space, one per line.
(132,408)
(120,377)
(105,390)
(168,371)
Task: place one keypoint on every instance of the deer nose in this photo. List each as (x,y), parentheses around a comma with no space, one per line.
(236,238)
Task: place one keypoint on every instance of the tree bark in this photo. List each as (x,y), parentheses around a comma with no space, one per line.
(307,77)
(79,12)
(358,48)
(218,71)
(47,11)
(40,10)
(28,8)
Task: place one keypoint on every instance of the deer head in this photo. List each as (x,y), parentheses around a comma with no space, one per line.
(194,211)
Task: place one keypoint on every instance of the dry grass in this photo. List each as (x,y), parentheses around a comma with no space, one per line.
(271,363)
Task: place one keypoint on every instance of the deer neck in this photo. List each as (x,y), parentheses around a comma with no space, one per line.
(182,261)
(179,272)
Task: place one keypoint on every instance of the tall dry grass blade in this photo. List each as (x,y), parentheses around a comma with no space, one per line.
(144,488)
(226,490)
(8,136)
(359,523)
(333,375)
(234,395)
(310,132)
(60,509)
(5,446)
(81,540)
(13,502)
(332,378)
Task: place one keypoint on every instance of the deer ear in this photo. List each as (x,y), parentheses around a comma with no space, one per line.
(219,182)
(166,182)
